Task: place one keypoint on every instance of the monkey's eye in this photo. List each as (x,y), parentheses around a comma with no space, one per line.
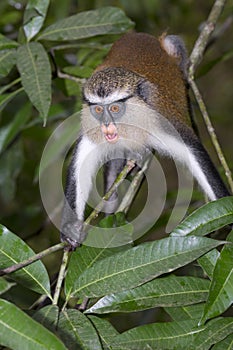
(97,111)
(117,109)
(114,108)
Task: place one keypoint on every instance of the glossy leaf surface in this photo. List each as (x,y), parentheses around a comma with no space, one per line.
(18,331)
(106,20)
(135,266)
(14,250)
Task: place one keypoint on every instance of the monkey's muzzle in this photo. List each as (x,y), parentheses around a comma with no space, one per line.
(110,133)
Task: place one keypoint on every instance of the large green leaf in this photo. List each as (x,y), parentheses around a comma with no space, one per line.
(82,259)
(105,330)
(208,262)
(213,332)
(221,289)
(14,250)
(75,329)
(175,335)
(206,219)
(7,61)
(48,316)
(135,266)
(105,20)
(18,331)
(159,336)
(190,312)
(34,67)
(34,16)
(225,344)
(167,291)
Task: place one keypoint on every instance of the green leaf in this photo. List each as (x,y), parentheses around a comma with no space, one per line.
(167,291)
(34,16)
(48,316)
(34,67)
(14,250)
(208,262)
(214,332)
(226,344)
(105,20)
(7,61)
(221,289)
(5,285)
(82,259)
(117,236)
(105,330)
(135,266)
(175,335)
(11,130)
(158,336)
(6,43)
(18,331)
(75,329)
(190,312)
(206,219)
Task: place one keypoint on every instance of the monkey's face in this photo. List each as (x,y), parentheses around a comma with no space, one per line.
(108,115)
(107,93)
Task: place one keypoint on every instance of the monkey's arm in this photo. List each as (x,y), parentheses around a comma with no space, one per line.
(78,186)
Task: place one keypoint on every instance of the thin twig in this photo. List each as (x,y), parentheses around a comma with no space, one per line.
(133,188)
(195,58)
(33,259)
(212,132)
(203,39)
(62,75)
(61,275)
(129,166)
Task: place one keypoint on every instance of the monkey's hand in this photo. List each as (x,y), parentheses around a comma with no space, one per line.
(73,234)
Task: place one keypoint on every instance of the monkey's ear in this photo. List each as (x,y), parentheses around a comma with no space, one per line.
(174,46)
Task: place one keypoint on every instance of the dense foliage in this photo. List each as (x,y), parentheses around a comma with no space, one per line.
(164,291)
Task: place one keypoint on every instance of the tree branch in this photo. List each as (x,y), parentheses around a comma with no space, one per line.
(203,39)
(195,59)
(33,259)
(130,164)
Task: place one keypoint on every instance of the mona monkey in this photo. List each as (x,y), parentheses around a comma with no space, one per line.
(136,100)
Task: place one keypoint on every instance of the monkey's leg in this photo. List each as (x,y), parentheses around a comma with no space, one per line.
(79,182)
(111,170)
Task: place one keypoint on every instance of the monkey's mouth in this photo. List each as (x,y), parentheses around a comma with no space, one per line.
(111,138)
(110,132)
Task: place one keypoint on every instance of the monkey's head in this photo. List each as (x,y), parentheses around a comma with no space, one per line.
(142,67)
(107,92)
